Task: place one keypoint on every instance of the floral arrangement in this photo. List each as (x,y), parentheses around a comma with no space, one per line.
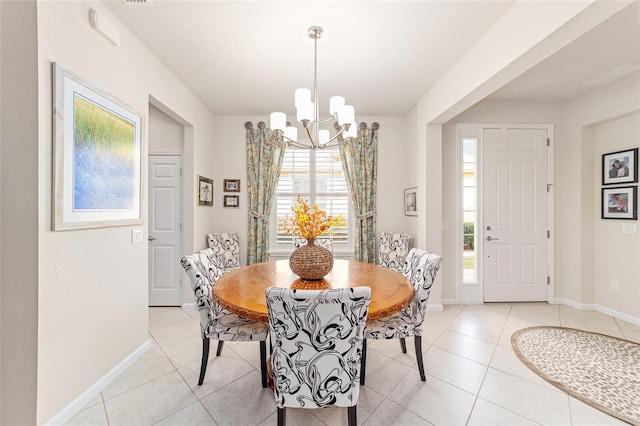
(309,224)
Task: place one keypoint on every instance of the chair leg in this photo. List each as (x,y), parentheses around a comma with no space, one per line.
(205,359)
(353,416)
(282,416)
(220,345)
(403,345)
(263,362)
(363,361)
(418,342)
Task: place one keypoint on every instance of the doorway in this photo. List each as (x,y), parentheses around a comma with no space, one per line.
(165,229)
(505,236)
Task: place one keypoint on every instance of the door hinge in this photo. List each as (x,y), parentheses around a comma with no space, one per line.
(548,280)
(548,142)
(548,234)
(549,187)
(180,172)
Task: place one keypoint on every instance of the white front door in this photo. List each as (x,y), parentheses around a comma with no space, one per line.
(165,229)
(514,234)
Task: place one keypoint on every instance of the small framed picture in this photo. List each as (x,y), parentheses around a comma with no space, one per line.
(410,202)
(620,203)
(232,185)
(205,191)
(232,201)
(620,167)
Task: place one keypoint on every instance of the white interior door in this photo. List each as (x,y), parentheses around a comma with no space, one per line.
(514,234)
(165,229)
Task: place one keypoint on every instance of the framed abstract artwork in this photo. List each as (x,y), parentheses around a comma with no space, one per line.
(97,147)
(232,185)
(232,201)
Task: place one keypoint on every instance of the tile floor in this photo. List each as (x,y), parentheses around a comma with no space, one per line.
(473,376)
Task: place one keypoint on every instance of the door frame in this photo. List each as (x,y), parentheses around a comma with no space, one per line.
(474,293)
(180,154)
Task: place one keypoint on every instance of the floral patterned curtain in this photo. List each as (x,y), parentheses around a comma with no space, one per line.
(265,151)
(360,161)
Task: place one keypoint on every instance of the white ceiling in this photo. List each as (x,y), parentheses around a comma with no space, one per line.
(247,58)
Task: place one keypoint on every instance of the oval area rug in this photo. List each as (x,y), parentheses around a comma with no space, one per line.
(600,370)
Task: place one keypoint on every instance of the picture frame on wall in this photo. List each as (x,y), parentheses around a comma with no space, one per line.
(232,201)
(410,202)
(205,191)
(620,167)
(620,203)
(97,154)
(232,185)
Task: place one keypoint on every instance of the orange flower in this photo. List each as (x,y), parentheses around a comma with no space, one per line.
(309,224)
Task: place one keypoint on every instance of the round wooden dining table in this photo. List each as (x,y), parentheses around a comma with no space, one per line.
(243,291)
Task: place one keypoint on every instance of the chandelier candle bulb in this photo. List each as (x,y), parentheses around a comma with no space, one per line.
(305,112)
(336,104)
(302,96)
(278,121)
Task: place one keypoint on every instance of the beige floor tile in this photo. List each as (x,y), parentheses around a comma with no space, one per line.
(434,400)
(241,402)
(160,317)
(391,348)
(585,415)
(630,331)
(150,402)
(495,315)
(384,373)
(92,416)
(479,330)
(295,416)
(187,351)
(604,325)
(390,413)
(455,370)
(94,401)
(505,360)
(487,414)
(368,401)
(532,401)
(221,371)
(148,367)
(181,330)
(465,346)
(193,415)
(249,351)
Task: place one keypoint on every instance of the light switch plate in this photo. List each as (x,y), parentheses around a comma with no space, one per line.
(136,235)
(629,228)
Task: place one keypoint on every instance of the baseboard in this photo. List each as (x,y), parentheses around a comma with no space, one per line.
(598,308)
(188,306)
(449,302)
(81,401)
(619,315)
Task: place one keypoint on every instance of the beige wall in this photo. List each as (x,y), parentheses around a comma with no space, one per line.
(615,253)
(19,248)
(93,283)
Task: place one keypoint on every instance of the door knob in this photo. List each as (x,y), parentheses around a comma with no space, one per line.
(152,238)
(490,238)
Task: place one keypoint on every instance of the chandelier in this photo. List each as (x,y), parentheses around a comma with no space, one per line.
(308,113)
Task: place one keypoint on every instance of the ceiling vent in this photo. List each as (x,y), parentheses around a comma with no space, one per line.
(137,2)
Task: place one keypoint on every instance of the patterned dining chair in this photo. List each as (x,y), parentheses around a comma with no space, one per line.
(317,338)
(326,242)
(226,249)
(420,268)
(217,323)
(393,249)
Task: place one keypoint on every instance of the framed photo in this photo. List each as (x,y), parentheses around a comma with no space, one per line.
(97,152)
(620,203)
(620,167)
(205,191)
(232,201)
(232,185)
(410,202)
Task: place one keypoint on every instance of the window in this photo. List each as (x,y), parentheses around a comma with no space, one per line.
(317,176)
(469,209)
